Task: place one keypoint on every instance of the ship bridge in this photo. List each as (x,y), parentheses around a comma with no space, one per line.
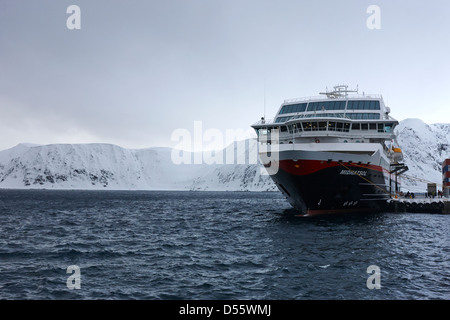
(340,115)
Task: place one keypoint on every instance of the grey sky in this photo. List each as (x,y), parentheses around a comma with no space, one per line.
(138,70)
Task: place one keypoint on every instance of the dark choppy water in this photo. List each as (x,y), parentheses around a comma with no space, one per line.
(211,245)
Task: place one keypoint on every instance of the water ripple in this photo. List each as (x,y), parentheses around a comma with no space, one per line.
(211,245)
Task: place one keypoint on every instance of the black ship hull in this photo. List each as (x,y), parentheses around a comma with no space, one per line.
(326,187)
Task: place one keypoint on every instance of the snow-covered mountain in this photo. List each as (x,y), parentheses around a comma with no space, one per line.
(106,166)
(424,147)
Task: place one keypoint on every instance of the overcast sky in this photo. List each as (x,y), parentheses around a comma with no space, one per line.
(138,70)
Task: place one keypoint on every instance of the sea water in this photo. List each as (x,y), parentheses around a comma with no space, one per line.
(212,245)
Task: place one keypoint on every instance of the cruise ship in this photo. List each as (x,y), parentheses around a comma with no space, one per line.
(333,153)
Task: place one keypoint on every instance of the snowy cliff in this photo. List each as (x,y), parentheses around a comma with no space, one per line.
(106,166)
(424,147)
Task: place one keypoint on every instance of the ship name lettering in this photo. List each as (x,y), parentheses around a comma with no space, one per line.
(352,173)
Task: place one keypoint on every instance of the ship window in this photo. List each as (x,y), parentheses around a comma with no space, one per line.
(323,126)
(380,127)
(339,126)
(289,109)
(332,126)
(374,105)
(283,129)
(364,126)
(350,105)
(326,105)
(363,105)
(320,106)
(294,128)
(324,115)
(307,126)
(346,127)
(300,107)
(314,126)
(373,126)
(282,119)
(312,106)
(387,127)
(292,108)
(356,126)
(340,105)
(377,105)
(365,116)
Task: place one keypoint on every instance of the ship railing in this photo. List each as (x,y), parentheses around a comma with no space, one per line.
(324,97)
(318,115)
(264,121)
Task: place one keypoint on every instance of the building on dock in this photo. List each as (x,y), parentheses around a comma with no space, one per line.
(432,189)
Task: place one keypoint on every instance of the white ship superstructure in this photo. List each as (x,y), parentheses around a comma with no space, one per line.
(335,152)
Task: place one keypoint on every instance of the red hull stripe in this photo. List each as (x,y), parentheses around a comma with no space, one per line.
(306,167)
(336,211)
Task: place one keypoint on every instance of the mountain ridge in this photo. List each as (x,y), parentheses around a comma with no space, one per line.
(111,167)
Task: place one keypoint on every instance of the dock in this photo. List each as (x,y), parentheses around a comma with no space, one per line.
(432,201)
(419,205)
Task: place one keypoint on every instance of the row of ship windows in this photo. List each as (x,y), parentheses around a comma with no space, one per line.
(335,126)
(353,116)
(331,105)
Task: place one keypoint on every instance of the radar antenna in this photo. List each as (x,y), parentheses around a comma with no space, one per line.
(339,91)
